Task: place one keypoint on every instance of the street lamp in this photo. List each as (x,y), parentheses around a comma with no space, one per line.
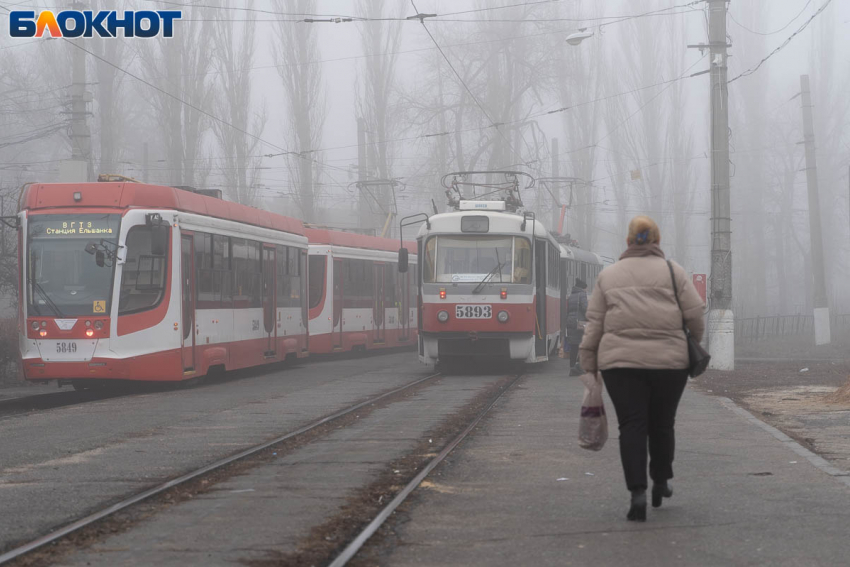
(581,35)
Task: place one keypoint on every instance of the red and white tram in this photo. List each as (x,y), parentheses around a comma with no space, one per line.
(144,282)
(490,285)
(358,298)
(494,284)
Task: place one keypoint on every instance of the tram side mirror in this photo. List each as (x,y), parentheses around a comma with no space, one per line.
(100,258)
(159,239)
(402,260)
(91,247)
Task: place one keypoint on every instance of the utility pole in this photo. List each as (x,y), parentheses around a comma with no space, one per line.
(146,174)
(721,322)
(821,311)
(556,209)
(79,168)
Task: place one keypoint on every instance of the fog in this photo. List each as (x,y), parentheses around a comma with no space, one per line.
(251,99)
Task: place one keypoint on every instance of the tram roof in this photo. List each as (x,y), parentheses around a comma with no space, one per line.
(584,255)
(500,223)
(354,240)
(42,196)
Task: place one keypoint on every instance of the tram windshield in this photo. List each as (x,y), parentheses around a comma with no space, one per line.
(70,264)
(472,258)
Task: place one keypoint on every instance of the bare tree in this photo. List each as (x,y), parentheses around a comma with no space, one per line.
(679,149)
(377,93)
(296,52)
(577,76)
(233,57)
(180,66)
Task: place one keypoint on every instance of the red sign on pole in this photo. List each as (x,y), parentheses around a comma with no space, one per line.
(700,283)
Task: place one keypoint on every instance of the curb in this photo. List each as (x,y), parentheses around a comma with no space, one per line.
(816,460)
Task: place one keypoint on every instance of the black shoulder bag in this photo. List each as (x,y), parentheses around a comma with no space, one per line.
(697,356)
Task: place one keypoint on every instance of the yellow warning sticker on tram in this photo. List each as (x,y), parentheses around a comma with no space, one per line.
(99,307)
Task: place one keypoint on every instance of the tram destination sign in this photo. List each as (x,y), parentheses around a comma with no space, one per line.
(64,228)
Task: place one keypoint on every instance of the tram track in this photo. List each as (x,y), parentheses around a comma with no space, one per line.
(356,544)
(20,553)
(342,534)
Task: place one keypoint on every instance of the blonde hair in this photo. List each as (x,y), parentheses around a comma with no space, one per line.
(643,230)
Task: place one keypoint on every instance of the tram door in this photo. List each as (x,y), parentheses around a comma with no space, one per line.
(336,333)
(269,300)
(187,271)
(540,292)
(378,307)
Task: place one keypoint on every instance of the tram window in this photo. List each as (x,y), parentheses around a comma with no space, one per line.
(318,266)
(429,261)
(247,275)
(222,275)
(221,252)
(281,278)
(358,283)
(390,271)
(552,266)
(522,261)
(203,251)
(143,276)
(256,294)
(305,314)
(293,262)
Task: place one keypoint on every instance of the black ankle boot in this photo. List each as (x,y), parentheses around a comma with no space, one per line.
(637,513)
(660,490)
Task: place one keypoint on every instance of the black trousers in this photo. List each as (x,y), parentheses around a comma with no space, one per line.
(646,402)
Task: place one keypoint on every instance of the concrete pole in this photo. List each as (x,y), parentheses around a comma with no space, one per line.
(146,174)
(821,306)
(556,189)
(721,322)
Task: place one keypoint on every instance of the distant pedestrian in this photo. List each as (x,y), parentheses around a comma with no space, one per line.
(576,318)
(634,337)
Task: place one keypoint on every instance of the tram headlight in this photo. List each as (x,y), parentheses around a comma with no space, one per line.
(503,316)
(89,333)
(35,325)
(98,325)
(443,316)
(43,333)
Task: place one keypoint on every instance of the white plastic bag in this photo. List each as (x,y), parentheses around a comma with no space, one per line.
(593,424)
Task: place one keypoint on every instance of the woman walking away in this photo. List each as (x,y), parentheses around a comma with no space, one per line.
(576,316)
(634,336)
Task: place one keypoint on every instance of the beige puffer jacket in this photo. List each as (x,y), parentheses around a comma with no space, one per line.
(633,320)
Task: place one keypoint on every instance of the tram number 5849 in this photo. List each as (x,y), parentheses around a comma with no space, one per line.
(66,348)
(473,311)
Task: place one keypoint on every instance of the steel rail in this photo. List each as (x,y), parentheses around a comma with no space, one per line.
(351,550)
(67,529)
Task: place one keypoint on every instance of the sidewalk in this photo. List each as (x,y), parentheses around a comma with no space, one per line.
(521,492)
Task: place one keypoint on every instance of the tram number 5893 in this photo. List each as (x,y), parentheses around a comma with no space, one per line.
(473,311)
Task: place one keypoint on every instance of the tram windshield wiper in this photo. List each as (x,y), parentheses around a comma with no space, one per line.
(488,277)
(48,300)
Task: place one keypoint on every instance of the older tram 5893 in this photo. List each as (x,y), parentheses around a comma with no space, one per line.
(490,280)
